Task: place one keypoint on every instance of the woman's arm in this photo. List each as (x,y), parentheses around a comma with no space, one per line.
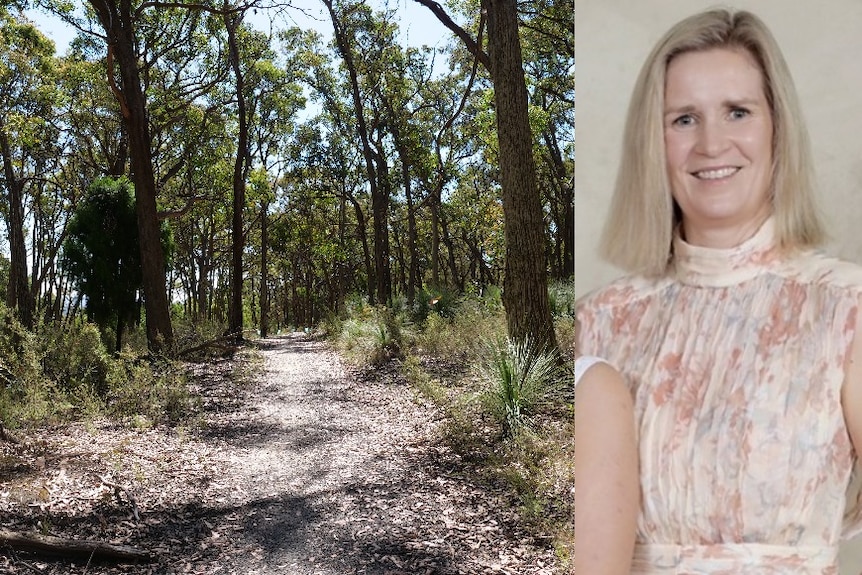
(851,391)
(606,474)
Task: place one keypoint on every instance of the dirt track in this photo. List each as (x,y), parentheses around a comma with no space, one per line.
(303,469)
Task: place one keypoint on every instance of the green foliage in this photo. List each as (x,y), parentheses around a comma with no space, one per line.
(459,335)
(371,337)
(102,253)
(63,371)
(4,273)
(441,302)
(520,377)
(20,382)
(561,298)
(149,393)
(75,360)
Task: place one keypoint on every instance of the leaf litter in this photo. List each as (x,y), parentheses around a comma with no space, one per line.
(299,467)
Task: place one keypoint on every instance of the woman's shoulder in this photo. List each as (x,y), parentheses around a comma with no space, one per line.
(815,267)
(584,363)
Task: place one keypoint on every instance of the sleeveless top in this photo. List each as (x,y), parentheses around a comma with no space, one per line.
(583,363)
(735,359)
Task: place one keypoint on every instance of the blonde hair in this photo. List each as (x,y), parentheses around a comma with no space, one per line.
(639,230)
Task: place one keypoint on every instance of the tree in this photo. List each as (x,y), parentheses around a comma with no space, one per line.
(525,293)
(102,255)
(118,20)
(27,98)
(373,162)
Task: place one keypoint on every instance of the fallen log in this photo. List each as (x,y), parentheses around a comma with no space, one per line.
(35,542)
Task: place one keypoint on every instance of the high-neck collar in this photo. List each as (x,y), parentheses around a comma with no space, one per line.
(697,265)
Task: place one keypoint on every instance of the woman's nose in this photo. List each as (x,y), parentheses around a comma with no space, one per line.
(712,138)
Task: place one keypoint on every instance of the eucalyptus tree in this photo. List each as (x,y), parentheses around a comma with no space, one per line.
(141,36)
(127,67)
(402,75)
(273,107)
(347,23)
(331,146)
(525,293)
(451,146)
(549,51)
(198,206)
(28,100)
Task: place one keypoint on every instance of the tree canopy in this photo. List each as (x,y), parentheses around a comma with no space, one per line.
(294,171)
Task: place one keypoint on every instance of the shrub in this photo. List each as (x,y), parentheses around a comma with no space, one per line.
(150,392)
(441,302)
(372,336)
(520,376)
(561,299)
(74,358)
(460,336)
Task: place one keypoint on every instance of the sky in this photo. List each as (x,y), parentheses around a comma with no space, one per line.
(418,26)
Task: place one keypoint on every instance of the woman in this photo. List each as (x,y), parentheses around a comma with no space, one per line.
(738,341)
(606,486)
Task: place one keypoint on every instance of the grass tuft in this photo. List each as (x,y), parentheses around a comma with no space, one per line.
(520,376)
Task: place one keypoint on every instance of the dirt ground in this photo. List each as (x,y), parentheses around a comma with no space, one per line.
(300,469)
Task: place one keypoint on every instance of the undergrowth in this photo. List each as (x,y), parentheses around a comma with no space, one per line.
(61,372)
(506,409)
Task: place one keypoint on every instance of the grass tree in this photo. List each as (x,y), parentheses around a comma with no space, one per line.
(102,253)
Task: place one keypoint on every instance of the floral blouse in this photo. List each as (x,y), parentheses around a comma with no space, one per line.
(736,360)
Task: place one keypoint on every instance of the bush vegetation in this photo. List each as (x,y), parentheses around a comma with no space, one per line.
(509,408)
(63,371)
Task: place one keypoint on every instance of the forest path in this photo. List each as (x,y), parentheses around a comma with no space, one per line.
(298,467)
(349,478)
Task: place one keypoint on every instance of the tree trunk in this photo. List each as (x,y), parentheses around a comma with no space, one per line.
(366,251)
(18,290)
(380,275)
(264,268)
(239,172)
(380,222)
(117,21)
(525,294)
(434,205)
(414,281)
(563,208)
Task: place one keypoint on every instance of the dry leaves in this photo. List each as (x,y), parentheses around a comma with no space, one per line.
(303,470)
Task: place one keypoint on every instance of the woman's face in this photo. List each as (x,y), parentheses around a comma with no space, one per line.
(718,141)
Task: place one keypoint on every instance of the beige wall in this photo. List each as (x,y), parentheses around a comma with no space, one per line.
(823,46)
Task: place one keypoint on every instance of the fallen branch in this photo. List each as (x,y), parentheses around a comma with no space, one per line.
(35,542)
(133,503)
(217,342)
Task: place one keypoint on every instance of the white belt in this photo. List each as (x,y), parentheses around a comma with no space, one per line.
(734,559)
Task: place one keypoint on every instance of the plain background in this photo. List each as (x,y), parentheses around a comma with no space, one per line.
(823,48)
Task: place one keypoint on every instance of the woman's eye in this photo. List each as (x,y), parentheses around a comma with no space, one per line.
(684,121)
(739,113)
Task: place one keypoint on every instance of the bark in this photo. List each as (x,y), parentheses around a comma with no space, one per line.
(565,212)
(239,173)
(264,269)
(380,223)
(366,251)
(71,547)
(457,279)
(525,293)
(116,17)
(414,280)
(18,296)
(434,205)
